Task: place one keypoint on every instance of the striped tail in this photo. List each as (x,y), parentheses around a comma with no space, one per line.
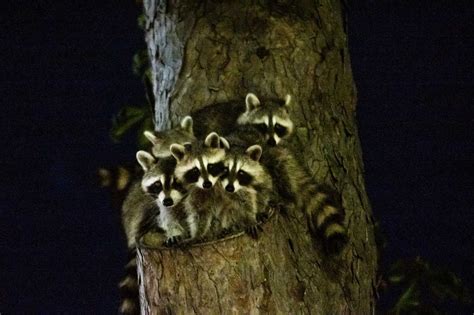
(326,216)
(322,204)
(130,303)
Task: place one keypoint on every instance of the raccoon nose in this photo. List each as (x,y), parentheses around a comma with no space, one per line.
(207,184)
(229,188)
(167,202)
(271,142)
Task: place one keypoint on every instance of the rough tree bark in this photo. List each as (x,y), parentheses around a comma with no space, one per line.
(204,52)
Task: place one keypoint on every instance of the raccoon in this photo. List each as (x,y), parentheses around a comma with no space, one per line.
(248,186)
(160,183)
(294,188)
(199,166)
(152,203)
(322,204)
(139,213)
(161,140)
(271,117)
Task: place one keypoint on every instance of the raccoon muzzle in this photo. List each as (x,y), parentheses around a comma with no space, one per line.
(206,184)
(229,188)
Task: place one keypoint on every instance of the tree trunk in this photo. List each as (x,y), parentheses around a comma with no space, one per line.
(205,52)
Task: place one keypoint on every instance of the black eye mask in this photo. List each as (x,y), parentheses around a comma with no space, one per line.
(178,187)
(216,169)
(244,178)
(192,176)
(280,130)
(155,188)
(262,128)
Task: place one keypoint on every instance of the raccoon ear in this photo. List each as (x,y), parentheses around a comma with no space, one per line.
(187,124)
(145,159)
(287,100)
(152,137)
(254,152)
(178,151)
(251,101)
(188,146)
(212,140)
(224,143)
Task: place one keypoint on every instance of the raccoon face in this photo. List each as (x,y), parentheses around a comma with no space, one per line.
(242,171)
(161,140)
(159,180)
(271,119)
(200,167)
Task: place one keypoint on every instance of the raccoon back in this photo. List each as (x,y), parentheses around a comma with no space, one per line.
(221,118)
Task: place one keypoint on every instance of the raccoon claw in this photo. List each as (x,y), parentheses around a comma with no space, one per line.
(283,209)
(173,240)
(273,204)
(225,232)
(262,217)
(253,231)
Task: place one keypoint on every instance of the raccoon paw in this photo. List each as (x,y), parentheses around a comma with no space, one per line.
(224,232)
(262,217)
(173,240)
(273,203)
(253,231)
(284,208)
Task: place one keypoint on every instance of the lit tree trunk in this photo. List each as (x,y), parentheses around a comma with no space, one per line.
(205,52)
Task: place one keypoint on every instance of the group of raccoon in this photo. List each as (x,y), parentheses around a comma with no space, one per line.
(219,172)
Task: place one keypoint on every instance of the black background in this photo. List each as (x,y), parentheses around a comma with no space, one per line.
(66,69)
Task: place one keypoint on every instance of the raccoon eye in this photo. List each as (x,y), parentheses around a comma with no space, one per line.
(155,188)
(261,128)
(225,173)
(192,176)
(280,130)
(215,169)
(244,178)
(178,187)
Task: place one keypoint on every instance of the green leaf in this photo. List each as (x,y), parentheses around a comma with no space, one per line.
(147,124)
(396,279)
(446,285)
(127,118)
(141,21)
(140,63)
(408,300)
(425,287)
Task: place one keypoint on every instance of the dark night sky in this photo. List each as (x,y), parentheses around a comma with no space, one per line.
(66,68)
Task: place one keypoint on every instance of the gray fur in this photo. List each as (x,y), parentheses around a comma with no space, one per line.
(202,205)
(320,203)
(223,117)
(138,211)
(247,200)
(269,113)
(294,187)
(161,140)
(162,172)
(143,211)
